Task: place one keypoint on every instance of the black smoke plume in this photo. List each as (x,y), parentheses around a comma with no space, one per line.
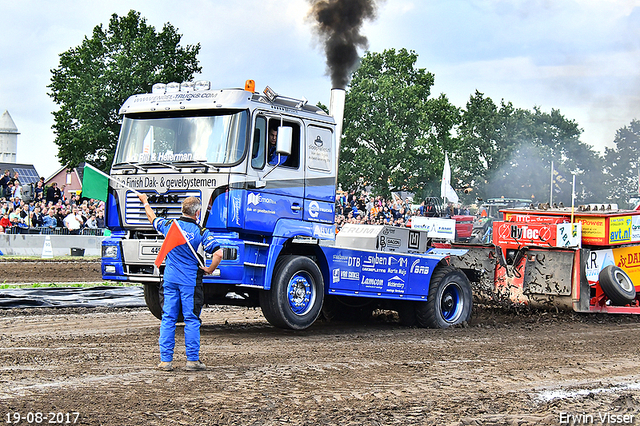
(338,23)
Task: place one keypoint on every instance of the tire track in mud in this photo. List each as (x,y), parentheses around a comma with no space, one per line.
(336,373)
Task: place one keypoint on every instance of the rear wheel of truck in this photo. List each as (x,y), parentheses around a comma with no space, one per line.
(617,285)
(296,293)
(152,299)
(449,301)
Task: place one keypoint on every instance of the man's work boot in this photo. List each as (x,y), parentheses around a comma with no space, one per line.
(166,366)
(195,366)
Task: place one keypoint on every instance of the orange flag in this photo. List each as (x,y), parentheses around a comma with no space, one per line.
(174,238)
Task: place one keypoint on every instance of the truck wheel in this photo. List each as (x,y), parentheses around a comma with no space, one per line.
(617,285)
(296,293)
(449,301)
(152,299)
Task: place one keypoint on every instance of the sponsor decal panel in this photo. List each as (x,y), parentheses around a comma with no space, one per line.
(593,229)
(380,273)
(619,229)
(628,258)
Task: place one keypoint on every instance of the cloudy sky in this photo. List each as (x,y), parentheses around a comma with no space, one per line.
(579,56)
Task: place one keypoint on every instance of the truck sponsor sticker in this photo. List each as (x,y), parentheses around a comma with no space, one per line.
(436,227)
(619,229)
(319,155)
(262,204)
(163,184)
(593,228)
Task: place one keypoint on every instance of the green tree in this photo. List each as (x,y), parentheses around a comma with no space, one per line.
(623,164)
(489,135)
(394,134)
(94,79)
(507,151)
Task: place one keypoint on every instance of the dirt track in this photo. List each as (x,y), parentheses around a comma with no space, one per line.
(505,368)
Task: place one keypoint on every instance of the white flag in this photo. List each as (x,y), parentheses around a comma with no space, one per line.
(446,190)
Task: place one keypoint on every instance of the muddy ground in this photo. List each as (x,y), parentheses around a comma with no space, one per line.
(504,368)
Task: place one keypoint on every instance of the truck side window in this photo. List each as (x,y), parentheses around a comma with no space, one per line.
(258,154)
(292,160)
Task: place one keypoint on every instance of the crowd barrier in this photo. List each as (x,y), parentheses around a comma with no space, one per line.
(41,245)
(96,232)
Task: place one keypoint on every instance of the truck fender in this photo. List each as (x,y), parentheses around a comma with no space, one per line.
(287,229)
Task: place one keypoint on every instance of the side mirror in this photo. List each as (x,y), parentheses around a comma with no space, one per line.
(285,138)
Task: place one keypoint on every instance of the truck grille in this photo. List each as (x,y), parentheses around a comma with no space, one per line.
(166,205)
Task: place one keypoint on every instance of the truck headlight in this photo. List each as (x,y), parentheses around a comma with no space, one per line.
(110,251)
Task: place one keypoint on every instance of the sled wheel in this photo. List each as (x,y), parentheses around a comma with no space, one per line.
(449,301)
(296,293)
(152,299)
(617,285)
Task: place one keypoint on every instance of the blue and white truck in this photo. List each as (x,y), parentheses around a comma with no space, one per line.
(273,218)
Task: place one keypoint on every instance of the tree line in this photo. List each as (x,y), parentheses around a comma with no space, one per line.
(396,131)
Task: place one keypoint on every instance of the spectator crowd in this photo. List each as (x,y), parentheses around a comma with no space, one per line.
(376,210)
(50,210)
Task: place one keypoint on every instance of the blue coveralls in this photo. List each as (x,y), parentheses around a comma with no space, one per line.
(182,287)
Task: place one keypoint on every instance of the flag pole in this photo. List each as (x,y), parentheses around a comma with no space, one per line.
(112,178)
(573,198)
(551,186)
(189,244)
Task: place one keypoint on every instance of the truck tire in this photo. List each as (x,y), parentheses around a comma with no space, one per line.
(296,293)
(449,301)
(617,285)
(152,299)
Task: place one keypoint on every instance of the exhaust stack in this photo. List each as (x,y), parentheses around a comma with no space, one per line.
(336,110)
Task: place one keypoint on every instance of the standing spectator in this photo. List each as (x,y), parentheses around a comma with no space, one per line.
(5,223)
(4,184)
(14,178)
(73,221)
(60,215)
(100,219)
(38,193)
(17,190)
(37,218)
(49,221)
(91,223)
(53,193)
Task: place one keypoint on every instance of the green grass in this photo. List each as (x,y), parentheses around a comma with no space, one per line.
(5,285)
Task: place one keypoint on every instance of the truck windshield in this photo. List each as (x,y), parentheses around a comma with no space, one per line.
(215,137)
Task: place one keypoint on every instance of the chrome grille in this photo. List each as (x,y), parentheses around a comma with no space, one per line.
(164,205)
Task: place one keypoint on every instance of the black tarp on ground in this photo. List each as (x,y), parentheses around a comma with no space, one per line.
(72,297)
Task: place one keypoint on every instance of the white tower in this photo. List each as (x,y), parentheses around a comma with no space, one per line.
(8,139)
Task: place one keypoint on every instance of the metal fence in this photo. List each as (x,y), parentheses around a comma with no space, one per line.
(97,232)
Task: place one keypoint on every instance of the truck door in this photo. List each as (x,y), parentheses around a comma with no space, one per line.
(275,185)
(320,175)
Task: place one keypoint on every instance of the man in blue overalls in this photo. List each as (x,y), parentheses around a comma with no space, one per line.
(182,283)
